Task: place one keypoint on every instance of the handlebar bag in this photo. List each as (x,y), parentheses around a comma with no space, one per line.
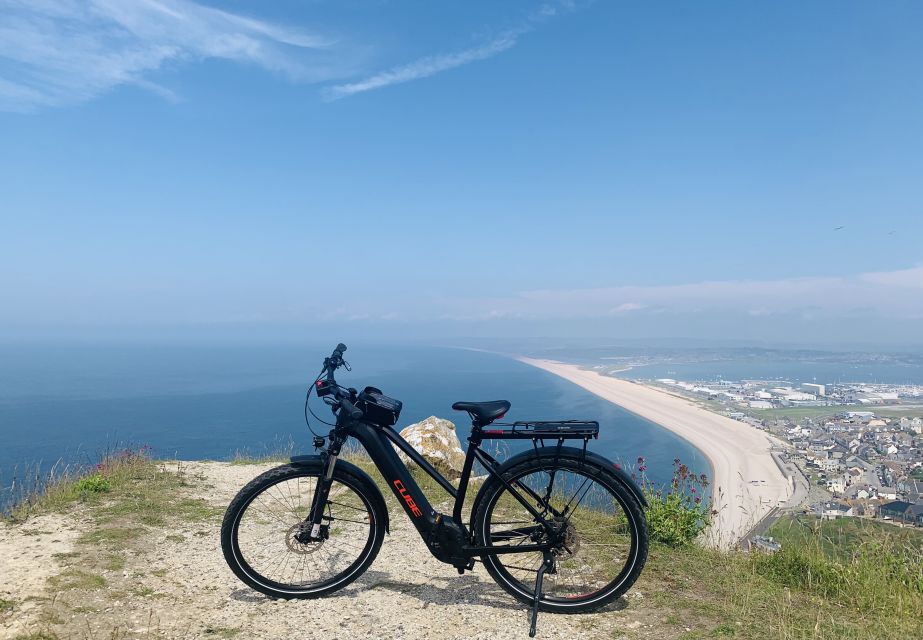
(378,408)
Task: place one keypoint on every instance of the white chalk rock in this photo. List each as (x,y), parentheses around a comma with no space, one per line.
(435,439)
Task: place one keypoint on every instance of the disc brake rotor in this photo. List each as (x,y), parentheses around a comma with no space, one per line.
(296,546)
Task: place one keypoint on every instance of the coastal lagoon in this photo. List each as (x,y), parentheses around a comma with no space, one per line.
(75,402)
(792,371)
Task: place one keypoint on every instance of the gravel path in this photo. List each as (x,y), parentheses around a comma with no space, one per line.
(175,584)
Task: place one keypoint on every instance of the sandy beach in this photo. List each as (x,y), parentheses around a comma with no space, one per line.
(746,482)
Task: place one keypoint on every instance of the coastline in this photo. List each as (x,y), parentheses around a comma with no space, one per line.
(746,481)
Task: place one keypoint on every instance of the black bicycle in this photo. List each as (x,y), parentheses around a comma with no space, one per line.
(558,527)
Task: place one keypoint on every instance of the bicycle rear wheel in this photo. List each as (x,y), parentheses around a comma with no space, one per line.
(603,543)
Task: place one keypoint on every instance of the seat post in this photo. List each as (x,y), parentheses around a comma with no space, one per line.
(474,441)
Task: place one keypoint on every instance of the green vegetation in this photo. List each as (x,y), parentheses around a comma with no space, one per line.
(799,413)
(114,536)
(676,515)
(843,538)
(74,578)
(6,605)
(798,592)
(114,563)
(125,484)
(95,483)
(846,579)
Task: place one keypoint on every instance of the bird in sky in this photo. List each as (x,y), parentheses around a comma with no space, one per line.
(840,227)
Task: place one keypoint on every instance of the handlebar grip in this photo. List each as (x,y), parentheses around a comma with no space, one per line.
(353,411)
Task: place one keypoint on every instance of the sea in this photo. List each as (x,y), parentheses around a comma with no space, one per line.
(66,405)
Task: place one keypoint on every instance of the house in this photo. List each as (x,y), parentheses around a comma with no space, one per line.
(896,510)
(836,485)
(853,476)
(913,490)
(916,425)
(834,510)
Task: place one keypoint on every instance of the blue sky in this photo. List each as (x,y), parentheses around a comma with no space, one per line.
(462,168)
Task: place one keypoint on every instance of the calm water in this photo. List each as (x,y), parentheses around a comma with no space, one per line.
(76,402)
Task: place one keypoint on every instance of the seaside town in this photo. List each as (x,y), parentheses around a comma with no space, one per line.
(858,446)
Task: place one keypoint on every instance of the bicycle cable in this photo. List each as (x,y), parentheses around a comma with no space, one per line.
(307,406)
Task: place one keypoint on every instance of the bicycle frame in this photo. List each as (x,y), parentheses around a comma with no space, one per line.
(378,440)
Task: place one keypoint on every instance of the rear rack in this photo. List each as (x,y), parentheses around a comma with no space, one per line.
(539,430)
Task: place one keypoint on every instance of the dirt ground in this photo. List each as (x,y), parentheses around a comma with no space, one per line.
(61,579)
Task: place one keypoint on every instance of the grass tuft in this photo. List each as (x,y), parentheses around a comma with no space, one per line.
(74,578)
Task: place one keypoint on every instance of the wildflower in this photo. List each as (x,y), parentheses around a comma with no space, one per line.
(642,468)
(698,500)
(640,459)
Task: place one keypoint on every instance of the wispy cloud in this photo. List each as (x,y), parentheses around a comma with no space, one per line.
(897,294)
(63,52)
(59,52)
(424,67)
(431,65)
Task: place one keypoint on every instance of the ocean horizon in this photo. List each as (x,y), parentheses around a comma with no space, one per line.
(71,404)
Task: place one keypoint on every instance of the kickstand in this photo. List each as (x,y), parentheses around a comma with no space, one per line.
(539,578)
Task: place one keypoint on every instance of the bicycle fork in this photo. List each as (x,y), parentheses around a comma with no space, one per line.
(314,521)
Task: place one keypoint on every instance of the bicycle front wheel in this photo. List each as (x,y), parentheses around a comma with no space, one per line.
(602,542)
(263,533)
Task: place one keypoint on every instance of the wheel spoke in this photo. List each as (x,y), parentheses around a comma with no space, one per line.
(591,530)
(268,530)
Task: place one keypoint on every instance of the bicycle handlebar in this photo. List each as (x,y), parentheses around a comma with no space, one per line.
(331,364)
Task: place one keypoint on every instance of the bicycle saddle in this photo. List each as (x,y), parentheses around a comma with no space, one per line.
(484,412)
